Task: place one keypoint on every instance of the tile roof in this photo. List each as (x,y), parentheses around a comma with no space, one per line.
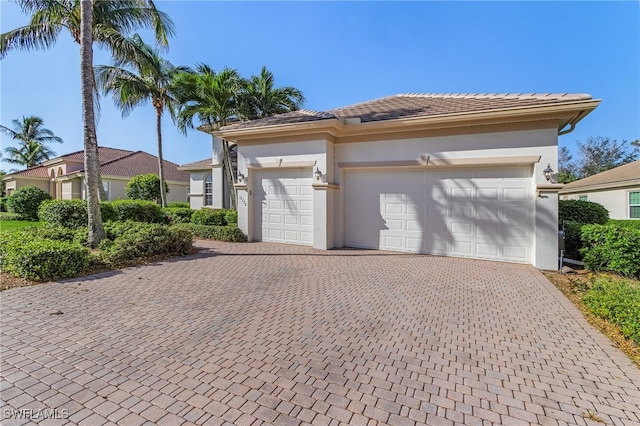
(114,162)
(628,174)
(415,105)
(197,165)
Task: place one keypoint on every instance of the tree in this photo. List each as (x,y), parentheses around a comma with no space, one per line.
(145,187)
(91,160)
(566,168)
(258,98)
(211,98)
(110,21)
(598,154)
(32,138)
(137,79)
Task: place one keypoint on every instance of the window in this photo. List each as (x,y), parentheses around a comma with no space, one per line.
(634,205)
(208,191)
(582,198)
(107,186)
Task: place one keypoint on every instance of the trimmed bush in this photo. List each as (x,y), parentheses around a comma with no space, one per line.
(177,214)
(3,204)
(128,241)
(219,217)
(67,213)
(572,239)
(108,212)
(628,223)
(145,187)
(611,248)
(214,232)
(33,257)
(26,200)
(617,301)
(138,210)
(179,204)
(10,216)
(582,212)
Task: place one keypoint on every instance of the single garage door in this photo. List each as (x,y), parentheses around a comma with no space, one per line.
(283,206)
(483,213)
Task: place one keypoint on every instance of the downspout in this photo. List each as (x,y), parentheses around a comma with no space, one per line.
(572,126)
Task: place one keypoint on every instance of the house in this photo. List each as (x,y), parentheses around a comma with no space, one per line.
(618,190)
(444,174)
(63,177)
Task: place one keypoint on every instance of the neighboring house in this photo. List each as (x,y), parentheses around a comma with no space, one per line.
(455,175)
(618,190)
(63,177)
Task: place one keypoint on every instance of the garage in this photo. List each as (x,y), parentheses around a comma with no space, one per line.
(283,206)
(483,213)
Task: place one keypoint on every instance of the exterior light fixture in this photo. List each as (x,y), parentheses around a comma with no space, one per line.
(241,178)
(318,174)
(548,172)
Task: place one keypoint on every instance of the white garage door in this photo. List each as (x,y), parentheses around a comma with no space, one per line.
(283,206)
(484,214)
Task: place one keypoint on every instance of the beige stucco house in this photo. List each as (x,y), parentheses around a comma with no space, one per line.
(618,190)
(455,175)
(63,177)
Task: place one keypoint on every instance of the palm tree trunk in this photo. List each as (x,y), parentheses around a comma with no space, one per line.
(163,194)
(91,162)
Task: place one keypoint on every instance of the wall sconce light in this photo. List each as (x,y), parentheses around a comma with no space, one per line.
(241,178)
(318,174)
(548,172)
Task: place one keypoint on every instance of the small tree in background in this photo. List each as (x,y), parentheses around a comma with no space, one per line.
(145,187)
(595,155)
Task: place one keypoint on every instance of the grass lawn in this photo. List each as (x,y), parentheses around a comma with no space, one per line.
(12,225)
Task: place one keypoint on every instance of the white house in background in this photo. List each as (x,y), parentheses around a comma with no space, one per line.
(63,177)
(618,190)
(445,174)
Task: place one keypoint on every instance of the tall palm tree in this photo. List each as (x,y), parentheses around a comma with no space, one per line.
(211,98)
(32,138)
(260,98)
(137,79)
(109,22)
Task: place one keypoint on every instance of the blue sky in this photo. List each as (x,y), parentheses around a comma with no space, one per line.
(340,53)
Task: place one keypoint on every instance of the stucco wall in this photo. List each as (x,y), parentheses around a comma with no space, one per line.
(12,185)
(615,200)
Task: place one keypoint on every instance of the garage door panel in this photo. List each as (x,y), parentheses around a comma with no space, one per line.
(284,206)
(472,213)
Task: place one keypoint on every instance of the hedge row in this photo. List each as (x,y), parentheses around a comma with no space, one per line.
(213,232)
(573,214)
(612,248)
(617,301)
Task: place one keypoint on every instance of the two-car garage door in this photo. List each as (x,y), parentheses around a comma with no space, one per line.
(482,213)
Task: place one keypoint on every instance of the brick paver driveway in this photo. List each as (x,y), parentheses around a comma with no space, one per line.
(262,333)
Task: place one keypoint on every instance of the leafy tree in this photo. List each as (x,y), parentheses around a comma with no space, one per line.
(104,21)
(211,98)
(566,168)
(145,187)
(32,138)
(259,98)
(138,79)
(598,154)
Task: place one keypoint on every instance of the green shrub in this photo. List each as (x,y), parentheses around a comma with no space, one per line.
(128,241)
(138,210)
(32,257)
(26,200)
(177,214)
(179,204)
(3,204)
(214,232)
(572,239)
(611,248)
(145,187)
(617,301)
(67,213)
(219,217)
(108,212)
(629,223)
(582,212)
(10,216)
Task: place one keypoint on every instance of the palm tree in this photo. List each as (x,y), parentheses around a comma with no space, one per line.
(210,98)
(32,138)
(259,98)
(135,80)
(109,21)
